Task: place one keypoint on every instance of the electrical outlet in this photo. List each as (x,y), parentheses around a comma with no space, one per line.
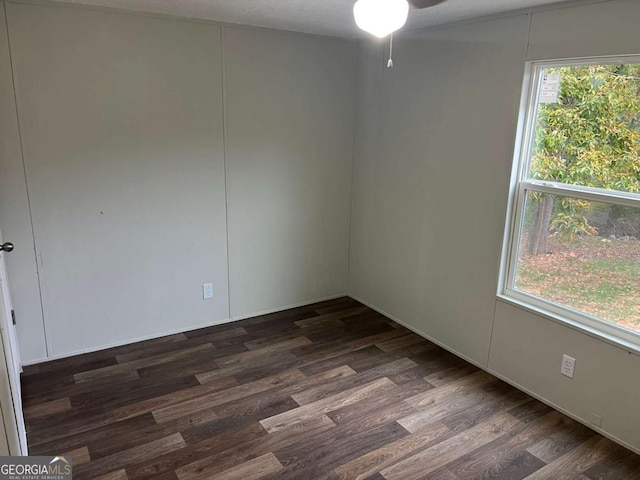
(568,366)
(596,420)
(207,291)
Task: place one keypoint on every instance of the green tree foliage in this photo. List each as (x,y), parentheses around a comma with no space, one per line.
(590,137)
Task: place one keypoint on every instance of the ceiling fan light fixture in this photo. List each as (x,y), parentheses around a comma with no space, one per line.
(381,17)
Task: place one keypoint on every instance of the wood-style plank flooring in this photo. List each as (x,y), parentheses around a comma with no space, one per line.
(328,391)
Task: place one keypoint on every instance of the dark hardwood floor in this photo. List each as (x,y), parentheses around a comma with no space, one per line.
(329,391)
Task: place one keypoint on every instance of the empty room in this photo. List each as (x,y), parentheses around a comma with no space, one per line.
(296,239)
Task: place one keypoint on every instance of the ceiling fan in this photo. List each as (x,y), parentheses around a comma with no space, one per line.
(425,3)
(383,17)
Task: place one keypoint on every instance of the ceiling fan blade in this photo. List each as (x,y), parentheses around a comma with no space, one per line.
(425,3)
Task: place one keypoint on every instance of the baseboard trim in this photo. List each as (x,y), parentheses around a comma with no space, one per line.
(281,309)
(126,342)
(511,382)
(382,312)
(180,330)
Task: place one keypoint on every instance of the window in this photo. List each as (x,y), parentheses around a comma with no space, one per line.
(572,247)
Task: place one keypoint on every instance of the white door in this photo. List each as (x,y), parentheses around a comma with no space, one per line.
(10,368)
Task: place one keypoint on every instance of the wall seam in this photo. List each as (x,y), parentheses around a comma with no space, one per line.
(526,53)
(26,181)
(223,62)
(353,164)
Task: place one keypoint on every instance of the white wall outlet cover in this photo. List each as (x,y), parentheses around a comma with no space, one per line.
(207,291)
(568,366)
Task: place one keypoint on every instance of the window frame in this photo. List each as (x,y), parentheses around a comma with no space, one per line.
(519,186)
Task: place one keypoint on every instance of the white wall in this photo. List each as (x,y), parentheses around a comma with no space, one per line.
(434,147)
(122,124)
(430,193)
(430,196)
(289,162)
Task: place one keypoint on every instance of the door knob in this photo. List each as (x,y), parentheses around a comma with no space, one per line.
(6,247)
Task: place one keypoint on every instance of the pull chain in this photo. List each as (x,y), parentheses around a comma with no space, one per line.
(390,62)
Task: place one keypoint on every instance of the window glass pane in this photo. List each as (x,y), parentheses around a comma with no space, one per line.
(587,129)
(583,255)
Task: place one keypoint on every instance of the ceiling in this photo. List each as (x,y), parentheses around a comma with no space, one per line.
(323,17)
